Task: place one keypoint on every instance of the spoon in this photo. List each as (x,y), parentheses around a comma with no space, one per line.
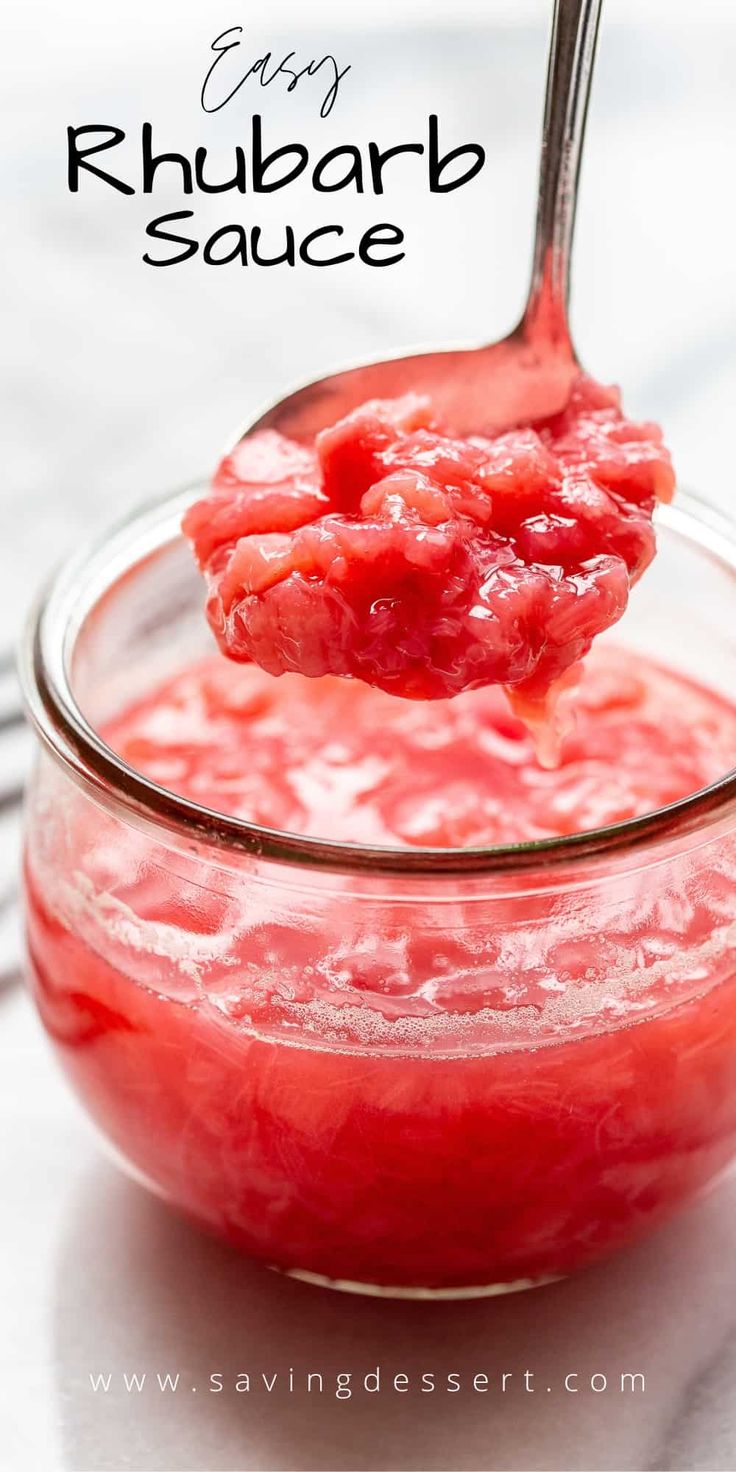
(527,375)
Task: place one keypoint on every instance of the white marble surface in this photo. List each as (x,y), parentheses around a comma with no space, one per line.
(116,381)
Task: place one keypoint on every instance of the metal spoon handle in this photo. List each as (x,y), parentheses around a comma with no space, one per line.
(569,74)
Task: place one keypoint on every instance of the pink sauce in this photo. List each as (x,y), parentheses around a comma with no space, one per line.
(335,759)
(443,1086)
(393,551)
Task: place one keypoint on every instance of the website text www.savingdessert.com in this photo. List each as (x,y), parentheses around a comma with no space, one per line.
(345,1384)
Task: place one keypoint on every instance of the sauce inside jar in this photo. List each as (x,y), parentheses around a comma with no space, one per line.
(439,1087)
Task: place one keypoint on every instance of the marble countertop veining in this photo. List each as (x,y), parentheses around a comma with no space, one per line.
(116,381)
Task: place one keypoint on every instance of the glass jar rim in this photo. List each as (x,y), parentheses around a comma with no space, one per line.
(45,662)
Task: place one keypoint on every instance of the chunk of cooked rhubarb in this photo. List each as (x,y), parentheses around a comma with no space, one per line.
(394,552)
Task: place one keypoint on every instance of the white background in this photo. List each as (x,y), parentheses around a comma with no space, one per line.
(118,380)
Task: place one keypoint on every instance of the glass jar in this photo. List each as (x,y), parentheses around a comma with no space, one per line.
(239,1009)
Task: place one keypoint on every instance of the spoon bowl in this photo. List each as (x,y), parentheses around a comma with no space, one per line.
(475,390)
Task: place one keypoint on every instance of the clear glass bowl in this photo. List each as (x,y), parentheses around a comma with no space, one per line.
(180,962)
